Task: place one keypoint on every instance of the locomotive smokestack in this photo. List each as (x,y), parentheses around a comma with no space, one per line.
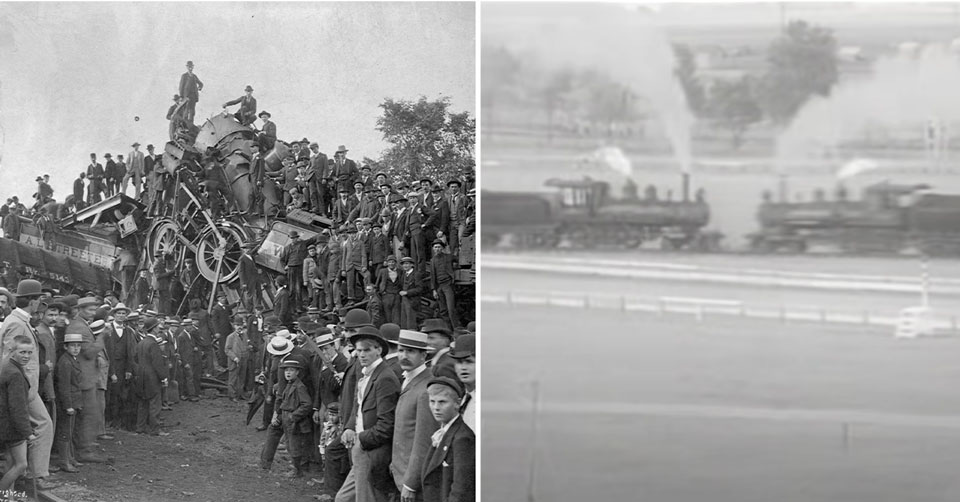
(686,187)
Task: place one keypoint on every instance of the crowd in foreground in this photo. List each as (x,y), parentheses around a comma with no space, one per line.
(384,413)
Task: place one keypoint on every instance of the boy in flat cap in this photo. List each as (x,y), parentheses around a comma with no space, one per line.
(449,472)
(294,408)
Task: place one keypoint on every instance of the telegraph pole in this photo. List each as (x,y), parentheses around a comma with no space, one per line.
(534,431)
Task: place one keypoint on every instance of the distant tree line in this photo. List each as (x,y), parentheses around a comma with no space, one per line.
(800,64)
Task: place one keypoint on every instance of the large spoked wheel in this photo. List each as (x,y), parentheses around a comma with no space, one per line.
(211,250)
(163,239)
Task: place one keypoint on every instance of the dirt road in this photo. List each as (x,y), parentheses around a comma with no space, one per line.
(209,456)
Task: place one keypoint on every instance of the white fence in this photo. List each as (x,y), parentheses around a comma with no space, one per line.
(701,308)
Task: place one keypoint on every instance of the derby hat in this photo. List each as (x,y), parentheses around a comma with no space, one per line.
(356,318)
(371,333)
(472,326)
(465,347)
(454,181)
(119,307)
(390,332)
(436,326)
(294,234)
(261,114)
(106,155)
(135,144)
(426,180)
(190,64)
(279,346)
(342,148)
(449,382)
(413,339)
(271,320)
(150,323)
(73,338)
(29,288)
(248,89)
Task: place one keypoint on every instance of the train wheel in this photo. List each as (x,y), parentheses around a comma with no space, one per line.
(211,250)
(164,239)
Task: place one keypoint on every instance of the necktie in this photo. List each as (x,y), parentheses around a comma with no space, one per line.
(437,436)
(466,401)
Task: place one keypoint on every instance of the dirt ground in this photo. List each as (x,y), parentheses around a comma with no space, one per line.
(209,456)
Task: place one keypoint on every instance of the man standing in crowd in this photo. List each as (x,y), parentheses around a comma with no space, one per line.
(389,283)
(317,189)
(344,170)
(369,428)
(78,192)
(410,290)
(292,258)
(136,169)
(109,174)
(149,379)
(95,180)
(120,344)
(442,267)
(18,324)
(92,346)
(414,423)
(190,87)
(464,355)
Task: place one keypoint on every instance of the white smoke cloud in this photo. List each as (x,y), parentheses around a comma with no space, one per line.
(904,92)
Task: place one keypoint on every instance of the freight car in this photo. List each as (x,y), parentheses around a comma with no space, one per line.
(584,214)
(889,218)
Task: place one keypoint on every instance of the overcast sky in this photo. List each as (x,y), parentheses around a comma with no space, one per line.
(74,76)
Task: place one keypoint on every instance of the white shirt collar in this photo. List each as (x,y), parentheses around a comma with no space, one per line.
(410,375)
(369,369)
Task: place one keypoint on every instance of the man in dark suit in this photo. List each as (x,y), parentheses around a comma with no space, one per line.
(440,338)
(315,180)
(449,474)
(268,133)
(398,232)
(247,113)
(343,207)
(95,180)
(442,267)
(416,246)
(411,288)
(150,378)
(190,87)
(389,282)
(109,174)
(351,266)
(370,423)
(120,344)
(250,277)
(78,191)
(281,303)
(345,171)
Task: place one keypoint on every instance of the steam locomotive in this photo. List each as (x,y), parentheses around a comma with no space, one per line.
(890,218)
(584,214)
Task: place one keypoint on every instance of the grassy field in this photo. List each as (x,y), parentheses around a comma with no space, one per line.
(794,413)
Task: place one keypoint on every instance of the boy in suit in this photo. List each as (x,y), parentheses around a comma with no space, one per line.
(70,398)
(449,472)
(294,408)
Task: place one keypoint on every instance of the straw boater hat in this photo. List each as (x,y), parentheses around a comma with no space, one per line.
(96,327)
(285,333)
(279,346)
(290,363)
(73,338)
(413,339)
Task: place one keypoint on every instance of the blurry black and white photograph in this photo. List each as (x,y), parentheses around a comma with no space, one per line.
(720,251)
(238,251)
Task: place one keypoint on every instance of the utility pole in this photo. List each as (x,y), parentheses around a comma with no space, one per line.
(534,432)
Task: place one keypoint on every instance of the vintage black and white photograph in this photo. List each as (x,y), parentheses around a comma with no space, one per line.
(238,251)
(720,251)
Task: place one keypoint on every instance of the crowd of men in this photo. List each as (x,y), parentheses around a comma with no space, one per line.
(383,413)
